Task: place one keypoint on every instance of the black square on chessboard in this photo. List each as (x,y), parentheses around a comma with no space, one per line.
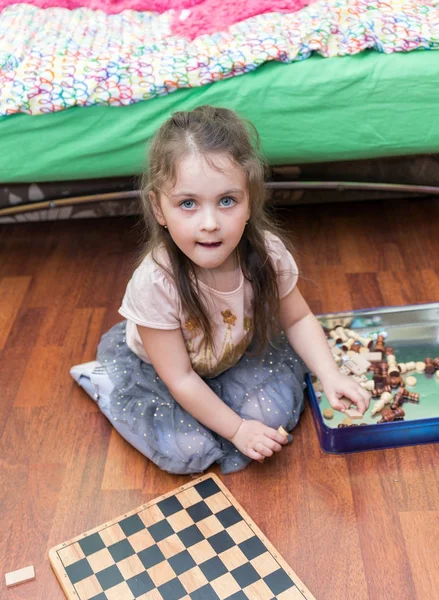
(140,584)
(213,568)
(91,544)
(221,541)
(252,547)
(151,556)
(181,562)
(279,581)
(160,530)
(207,488)
(109,577)
(170,506)
(245,575)
(190,536)
(79,571)
(238,596)
(121,550)
(205,593)
(172,590)
(100,596)
(228,517)
(132,525)
(199,511)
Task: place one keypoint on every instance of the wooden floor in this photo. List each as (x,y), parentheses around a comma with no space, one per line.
(358,527)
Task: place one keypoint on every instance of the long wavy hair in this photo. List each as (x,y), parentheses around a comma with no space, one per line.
(211,131)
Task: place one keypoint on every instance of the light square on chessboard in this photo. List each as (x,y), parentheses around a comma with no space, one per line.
(171,546)
(88,588)
(100,560)
(111,535)
(152,595)
(265,564)
(291,594)
(210,526)
(151,515)
(193,580)
(71,554)
(180,521)
(141,540)
(131,566)
(120,592)
(201,552)
(225,586)
(239,532)
(189,497)
(217,502)
(234,558)
(258,589)
(161,573)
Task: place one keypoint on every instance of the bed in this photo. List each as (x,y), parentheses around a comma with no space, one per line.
(314,110)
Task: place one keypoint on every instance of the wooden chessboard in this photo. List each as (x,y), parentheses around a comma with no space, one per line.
(195,543)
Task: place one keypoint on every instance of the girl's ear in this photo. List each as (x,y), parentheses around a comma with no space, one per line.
(156,209)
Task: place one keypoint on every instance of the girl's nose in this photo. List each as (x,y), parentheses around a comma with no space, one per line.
(209,221)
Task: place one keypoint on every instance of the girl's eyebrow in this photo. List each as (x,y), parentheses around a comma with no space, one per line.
(193,195)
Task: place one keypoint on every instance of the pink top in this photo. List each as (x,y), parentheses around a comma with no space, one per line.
(151,300)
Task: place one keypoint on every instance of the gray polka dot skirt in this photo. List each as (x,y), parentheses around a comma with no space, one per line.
(268,388)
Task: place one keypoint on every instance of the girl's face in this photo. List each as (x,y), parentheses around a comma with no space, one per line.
(206,210)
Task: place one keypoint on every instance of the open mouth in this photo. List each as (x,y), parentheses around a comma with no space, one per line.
(209,245)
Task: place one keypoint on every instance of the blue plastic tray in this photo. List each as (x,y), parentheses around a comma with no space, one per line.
(414,333)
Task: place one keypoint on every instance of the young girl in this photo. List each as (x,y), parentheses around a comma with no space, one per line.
(196,372)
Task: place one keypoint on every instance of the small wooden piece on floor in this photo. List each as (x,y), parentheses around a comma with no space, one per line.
(347,421)
(328,413)
(353,413)
(20,576)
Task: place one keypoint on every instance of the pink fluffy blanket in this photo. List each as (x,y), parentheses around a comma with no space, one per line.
(192,17)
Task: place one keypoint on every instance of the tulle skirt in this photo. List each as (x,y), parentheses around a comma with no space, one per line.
(139,405)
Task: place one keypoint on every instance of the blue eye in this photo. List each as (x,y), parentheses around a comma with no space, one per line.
(187,204)
(228,201)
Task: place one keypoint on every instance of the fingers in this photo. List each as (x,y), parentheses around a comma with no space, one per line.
(336,404)
(360,398)
(276,436)
(355,394)
(255,455)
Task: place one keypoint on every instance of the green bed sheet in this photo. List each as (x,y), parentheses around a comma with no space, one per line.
(345,108)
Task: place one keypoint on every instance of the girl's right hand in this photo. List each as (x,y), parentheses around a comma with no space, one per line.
(258,441)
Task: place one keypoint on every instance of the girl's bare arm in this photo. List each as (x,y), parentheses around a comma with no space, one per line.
(167,352)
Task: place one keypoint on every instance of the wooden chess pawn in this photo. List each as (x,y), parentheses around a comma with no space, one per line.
(429,367)
(341,334)
(387,415)
(379,345)
(347,345)
(436,363)
(398,399)
(410,396)
(395,381)
(380,390)
(334,335)
(399,413)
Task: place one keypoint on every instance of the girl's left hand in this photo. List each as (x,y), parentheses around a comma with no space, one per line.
(337,386)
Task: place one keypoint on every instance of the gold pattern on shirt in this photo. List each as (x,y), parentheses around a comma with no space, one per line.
(191,325)
(228,317)
(204,361)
